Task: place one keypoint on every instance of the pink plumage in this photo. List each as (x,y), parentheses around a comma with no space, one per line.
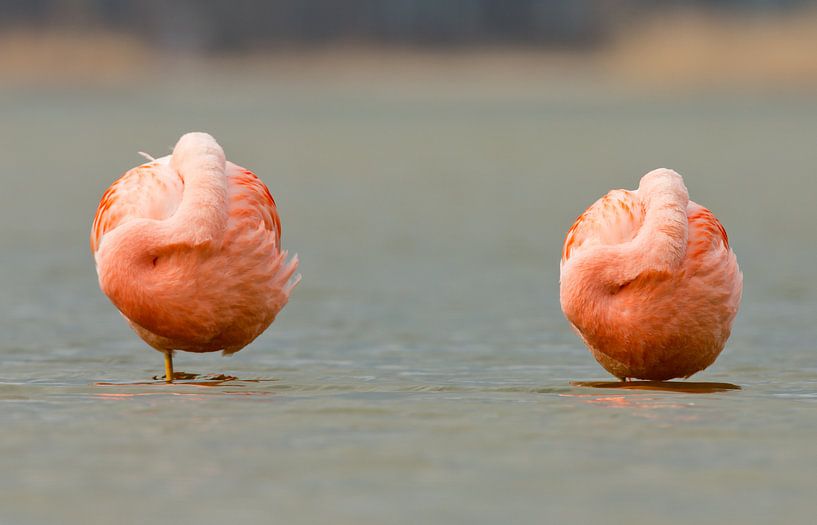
(187,247)
(649,281)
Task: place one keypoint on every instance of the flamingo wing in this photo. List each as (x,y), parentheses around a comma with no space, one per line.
(251,203)
(152,191)
(254,234)
(706,233)
(613,219)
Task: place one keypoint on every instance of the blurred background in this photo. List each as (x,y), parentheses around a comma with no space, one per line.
(701,42)
(427,158)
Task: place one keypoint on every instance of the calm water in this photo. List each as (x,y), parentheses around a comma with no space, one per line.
(421,373)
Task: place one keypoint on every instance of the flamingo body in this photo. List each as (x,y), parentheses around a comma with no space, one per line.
(649,281)
(187,247)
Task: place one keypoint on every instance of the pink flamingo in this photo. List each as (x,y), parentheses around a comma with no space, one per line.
(187,247)
(649,282)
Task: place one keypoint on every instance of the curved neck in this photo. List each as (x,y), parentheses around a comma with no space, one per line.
(661,243)
(202,214)
(658,247)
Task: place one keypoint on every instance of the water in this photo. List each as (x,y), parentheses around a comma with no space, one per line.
(422,371)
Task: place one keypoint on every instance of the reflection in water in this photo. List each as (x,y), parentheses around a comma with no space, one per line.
(651,406)
(181,376)
(187,379)
(643,405)
(131,395)
(686,387)
(182,379)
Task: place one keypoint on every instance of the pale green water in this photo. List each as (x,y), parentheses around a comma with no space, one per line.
(421,373)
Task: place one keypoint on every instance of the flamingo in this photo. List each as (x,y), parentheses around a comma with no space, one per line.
(188,248)
(649,282)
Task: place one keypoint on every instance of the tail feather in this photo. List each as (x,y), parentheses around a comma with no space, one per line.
(286,270)
(292,284)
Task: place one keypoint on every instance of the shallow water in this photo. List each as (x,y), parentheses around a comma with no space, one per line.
(422,372)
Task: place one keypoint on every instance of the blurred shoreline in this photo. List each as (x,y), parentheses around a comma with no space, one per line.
(676,50)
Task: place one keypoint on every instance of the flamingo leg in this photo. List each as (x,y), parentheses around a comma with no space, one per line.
(169,366)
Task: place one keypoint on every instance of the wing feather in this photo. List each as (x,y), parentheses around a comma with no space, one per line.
(613,219)
(251,201)
(152,191)
(706,233)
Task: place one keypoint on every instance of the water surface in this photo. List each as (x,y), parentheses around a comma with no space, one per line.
(422,372)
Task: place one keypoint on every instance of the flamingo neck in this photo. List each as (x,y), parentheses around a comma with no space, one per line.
(202,214)
(592,278)
(661,242)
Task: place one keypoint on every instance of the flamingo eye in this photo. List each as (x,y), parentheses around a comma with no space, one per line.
(155,260)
